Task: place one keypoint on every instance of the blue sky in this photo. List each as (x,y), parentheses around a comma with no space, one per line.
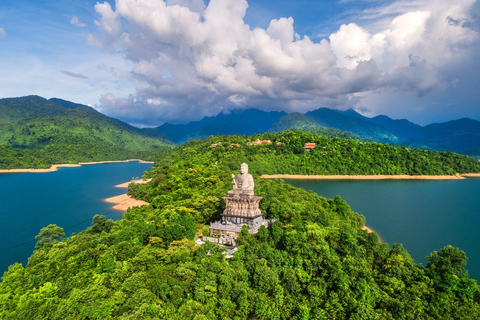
(148,62)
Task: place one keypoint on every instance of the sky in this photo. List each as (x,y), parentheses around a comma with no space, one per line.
(148,62)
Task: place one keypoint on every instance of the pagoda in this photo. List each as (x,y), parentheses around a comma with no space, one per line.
(242,210)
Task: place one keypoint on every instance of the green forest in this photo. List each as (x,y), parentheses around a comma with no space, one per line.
(36,133)
(330,156)
(314,262)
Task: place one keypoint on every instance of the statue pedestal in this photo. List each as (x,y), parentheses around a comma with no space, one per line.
(242,210)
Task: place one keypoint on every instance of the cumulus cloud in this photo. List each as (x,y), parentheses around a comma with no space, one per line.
(77,22)
(3,33)
(74,75)
(194,60)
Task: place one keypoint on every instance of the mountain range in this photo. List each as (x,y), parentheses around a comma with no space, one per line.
(461,136)
(33,122)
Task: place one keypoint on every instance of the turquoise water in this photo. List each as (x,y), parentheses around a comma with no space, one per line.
(423,215)
(69,198)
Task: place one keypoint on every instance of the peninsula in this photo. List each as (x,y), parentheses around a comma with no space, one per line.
(316,259)
(55,167)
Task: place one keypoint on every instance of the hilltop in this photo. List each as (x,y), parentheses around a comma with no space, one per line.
(36,132)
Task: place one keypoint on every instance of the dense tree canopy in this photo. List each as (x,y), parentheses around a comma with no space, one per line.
(314,262)
(36,133)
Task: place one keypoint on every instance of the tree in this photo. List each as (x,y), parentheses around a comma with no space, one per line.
(450,260)
(100,223)
(48,236)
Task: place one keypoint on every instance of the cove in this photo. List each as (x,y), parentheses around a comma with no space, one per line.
(69,198)
(422,215)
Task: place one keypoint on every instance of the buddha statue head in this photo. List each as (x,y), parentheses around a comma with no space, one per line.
(244,168)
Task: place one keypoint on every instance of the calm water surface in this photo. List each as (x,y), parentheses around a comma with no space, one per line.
(69,198)
(423,215)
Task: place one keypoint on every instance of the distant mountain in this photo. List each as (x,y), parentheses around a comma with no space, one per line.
(403,128)
(303,122)
(248,121)
(351,121)
(61,131)
(297,121)
(33,122)
(461,136)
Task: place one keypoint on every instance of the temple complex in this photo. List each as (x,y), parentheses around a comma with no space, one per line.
(242,210)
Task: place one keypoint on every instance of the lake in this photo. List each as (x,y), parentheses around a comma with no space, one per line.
(423,215)
(69,198)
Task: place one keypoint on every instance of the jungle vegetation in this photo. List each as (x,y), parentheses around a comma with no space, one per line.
(36,133)
(314,262)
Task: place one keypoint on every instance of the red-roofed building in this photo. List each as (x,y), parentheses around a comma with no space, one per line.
(309,146)
(259,142)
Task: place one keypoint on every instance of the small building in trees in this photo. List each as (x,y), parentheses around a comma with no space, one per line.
(309,146)
(242,210)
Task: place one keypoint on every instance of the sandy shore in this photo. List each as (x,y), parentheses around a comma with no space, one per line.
(125,185)
(51,169)
(471,175)
(56,166)
(367,177)
(115,161)
(124,201)
(371,231)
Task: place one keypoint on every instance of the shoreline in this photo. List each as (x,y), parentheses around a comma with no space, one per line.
(125,184)
(370,230)
(369,177)
(124,201)
(55,167)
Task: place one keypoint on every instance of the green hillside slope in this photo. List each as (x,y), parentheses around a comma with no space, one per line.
(303,122)
(330,156)
(46,131)
(314,262)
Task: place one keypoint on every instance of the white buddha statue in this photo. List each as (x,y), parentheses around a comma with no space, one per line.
(243,182)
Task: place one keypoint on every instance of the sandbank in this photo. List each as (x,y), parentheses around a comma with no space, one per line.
(124,201)
(471,175)
(56,166)
(365,177)
(51,169)
(125,185)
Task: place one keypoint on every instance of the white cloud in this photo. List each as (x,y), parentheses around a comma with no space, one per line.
(3,33)
(215,61)
(77,22)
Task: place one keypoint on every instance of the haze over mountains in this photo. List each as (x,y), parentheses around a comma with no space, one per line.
(35,122)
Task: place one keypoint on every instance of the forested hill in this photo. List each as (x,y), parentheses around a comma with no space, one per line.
(330,156)
(36,132)
(314,262)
